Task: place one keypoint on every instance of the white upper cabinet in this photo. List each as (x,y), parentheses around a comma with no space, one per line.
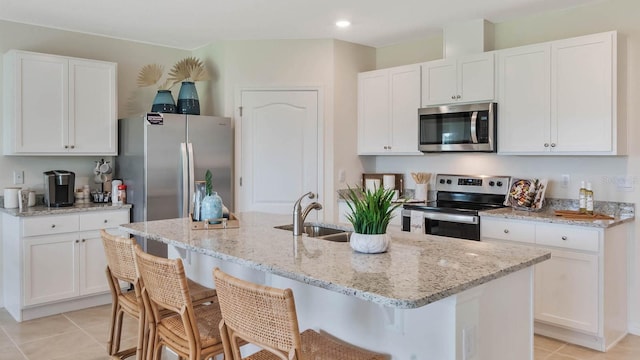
(388,102)
(55,105)
(524,99)
(559,98)
(463,79)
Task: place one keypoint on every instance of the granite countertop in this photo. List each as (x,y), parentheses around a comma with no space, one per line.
(417,269)
(41,210)
(547,215)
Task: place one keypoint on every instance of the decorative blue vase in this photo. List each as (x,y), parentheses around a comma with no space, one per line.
(163,102)
(188,102)
(211,207)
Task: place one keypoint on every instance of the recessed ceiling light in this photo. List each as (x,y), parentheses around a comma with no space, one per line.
(343,23)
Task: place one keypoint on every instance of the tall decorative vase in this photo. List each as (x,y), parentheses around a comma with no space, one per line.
(188,102)
(211,207)
(163,102)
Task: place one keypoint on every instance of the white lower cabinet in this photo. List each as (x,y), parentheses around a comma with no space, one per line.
(567,290)
(580,293)
(56,263)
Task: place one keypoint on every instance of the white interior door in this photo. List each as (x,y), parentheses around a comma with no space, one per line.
(279,149)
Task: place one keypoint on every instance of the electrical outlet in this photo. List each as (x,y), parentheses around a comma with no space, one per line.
(565,181)
(18,177)
(342,175)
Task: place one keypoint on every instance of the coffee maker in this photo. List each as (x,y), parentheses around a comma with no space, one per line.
(59,186)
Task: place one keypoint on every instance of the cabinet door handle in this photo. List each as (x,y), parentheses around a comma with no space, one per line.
(53,226)
(553,144)
(73,146)
(506,231)
(66,146)
(546,144)
(77,241)
(564,238)
(106,221)
(458,96)
(453,97)
(83,240)
(389,147)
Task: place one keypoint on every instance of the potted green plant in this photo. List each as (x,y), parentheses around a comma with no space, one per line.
(370,213)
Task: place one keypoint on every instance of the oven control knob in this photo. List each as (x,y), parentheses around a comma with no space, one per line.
(499,183)
(491,183)
(448,181)
(441,181)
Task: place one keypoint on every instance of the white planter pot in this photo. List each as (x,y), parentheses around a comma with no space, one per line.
(369,244)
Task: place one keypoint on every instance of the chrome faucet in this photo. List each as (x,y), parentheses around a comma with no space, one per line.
(299,215)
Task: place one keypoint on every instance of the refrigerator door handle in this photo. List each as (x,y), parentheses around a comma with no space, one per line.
(185,179)
(192,182)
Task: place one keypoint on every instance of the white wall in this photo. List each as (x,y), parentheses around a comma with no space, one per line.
(330,65)
(620,15)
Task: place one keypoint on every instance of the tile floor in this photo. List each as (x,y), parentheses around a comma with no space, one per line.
(81,335)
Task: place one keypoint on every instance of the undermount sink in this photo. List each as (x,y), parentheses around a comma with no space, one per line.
(321,232)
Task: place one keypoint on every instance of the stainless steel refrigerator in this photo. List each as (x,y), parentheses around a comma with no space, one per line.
(162,155)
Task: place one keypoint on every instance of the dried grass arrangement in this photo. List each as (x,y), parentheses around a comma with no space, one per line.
(151,74)
(188,69)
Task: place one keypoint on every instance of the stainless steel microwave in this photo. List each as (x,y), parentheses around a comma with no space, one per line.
(470,127)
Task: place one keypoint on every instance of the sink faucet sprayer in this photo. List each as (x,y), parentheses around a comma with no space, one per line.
(299,215)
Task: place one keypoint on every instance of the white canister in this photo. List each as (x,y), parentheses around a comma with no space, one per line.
(32,198)
(389,182)
(11,197)
(421,192)
(371,184)
(114,191)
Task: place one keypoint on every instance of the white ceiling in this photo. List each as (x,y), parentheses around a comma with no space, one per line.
(189,24)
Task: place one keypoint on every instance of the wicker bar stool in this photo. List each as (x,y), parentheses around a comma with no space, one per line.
(266,317)
(121,267)
(190,331)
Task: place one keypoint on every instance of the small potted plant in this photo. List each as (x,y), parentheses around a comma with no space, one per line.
(370,213)
(211,207)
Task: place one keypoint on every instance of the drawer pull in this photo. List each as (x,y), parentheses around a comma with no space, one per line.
(564,238)
(506,231)
(83,240)
(106,221)
(53,226)
(77,241)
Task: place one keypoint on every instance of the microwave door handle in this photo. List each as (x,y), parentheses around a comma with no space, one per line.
(474,130)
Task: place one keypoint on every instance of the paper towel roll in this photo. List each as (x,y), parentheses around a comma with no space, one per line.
(11,197)
(389,182)
(371,184)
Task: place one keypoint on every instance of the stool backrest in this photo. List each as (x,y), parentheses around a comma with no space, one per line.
(164,281)
(261,315)
(120,256)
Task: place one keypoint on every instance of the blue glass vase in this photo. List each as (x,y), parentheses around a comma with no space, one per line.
(188,102)
(211,207)
(163,102)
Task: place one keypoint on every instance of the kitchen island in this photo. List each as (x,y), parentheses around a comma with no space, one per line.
(428,297)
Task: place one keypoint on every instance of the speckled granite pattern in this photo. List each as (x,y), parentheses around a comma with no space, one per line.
(415,271)
(41,210)
(547,215)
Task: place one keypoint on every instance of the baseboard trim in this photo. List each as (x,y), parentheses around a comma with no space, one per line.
(634,328)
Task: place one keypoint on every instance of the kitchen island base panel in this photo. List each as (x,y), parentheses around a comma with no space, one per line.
(491,321)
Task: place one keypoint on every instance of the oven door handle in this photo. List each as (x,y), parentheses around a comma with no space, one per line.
(463,219)
(474,130)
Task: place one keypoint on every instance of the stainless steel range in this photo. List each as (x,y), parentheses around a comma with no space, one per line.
(459,198)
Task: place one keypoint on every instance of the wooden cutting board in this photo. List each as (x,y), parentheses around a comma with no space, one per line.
(576,215)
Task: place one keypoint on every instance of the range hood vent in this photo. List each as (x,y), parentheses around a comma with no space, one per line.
(471,37)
